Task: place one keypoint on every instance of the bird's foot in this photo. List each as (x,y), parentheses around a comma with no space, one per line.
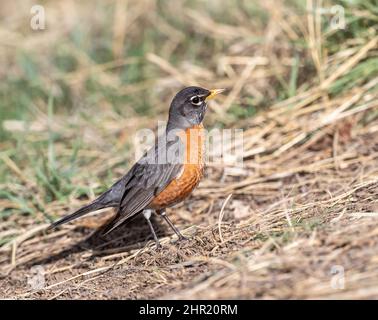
(158,246)
(182,238)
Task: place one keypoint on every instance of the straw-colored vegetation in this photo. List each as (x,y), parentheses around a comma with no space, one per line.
(299,220)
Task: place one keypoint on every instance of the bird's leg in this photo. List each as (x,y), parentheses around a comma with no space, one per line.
(147,215)
(177,231)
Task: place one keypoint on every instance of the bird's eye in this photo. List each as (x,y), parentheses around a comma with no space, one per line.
(196,100)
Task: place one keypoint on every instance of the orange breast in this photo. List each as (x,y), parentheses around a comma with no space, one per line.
(181,187)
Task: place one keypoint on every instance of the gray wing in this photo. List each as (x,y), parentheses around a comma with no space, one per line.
(147,178)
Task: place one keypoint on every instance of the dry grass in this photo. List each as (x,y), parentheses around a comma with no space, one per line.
(304,204)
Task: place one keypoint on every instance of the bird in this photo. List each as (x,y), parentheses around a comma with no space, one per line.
(166,174)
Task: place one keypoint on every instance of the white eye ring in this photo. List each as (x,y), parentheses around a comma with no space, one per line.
(196,100)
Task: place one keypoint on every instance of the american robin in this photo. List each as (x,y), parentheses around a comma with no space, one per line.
(167,173)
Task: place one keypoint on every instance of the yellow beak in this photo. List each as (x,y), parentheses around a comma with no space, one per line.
(213,93)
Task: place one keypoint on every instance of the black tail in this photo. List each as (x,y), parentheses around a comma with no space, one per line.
(106,200)
(116,222)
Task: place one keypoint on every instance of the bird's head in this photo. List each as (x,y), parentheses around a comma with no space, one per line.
(189,106)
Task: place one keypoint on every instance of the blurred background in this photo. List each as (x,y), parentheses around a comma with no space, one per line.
(76,85)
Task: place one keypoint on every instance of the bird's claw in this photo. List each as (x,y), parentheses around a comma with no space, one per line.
(182,238)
